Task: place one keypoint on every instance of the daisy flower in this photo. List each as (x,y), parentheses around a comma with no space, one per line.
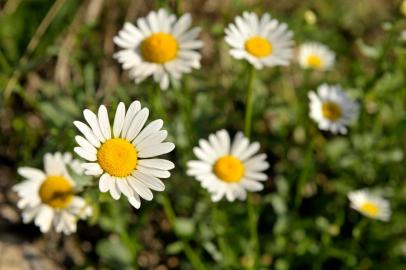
(160,46)
(228,168)
(48,197)
(316,56)
(370,204)
(261,41)
(123,156)
(332,109)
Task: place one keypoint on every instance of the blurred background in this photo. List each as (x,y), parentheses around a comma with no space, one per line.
(56,60)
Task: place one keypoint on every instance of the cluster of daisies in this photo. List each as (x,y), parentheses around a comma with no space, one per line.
(123,153)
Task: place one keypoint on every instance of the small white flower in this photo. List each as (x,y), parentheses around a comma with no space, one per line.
(316,56)
(370,204)
(159,46)
(228,169)
(122,155)
(332,109)
(48,197)
(261,41)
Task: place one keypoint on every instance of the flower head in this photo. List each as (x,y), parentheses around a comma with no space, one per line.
(370,204)
(160,46)
(316,56)
(228,168)
(48,197)
(261,41)
(332,109)
(123,155)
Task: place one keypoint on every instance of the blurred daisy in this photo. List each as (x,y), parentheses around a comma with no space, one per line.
(370,205)
(159,46)
(48,197)
(316,56)
(261,41)
(228,169)
(332,109)
(123,155)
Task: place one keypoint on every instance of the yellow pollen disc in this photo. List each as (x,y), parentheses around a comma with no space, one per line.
(229,169)
(370,209)
(331,111)
(159,48)
(258,46)
(315,61)
(117,157)
(56,191)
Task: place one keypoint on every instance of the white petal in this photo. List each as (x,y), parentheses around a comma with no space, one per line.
(132,110)
(93,122)
(140,188)
(105,182)
(85,154)
(119,120)
(135,201)
(88,133)
(156,163)
(150,181)
(137,124)
(152,127)
(124,187)
(31,173)
(114,190)
(85,144)
(156,150)
(153,139)
(154,172)
(104,122)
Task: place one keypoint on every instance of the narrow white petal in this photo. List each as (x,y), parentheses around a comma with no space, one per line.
(119,120)
(85,154)
(150,181)
(88,133)
(31,173)
(156,150)
(114,190)
(104,122)
(104,182)
(140,188)
(93,122)
(137,124)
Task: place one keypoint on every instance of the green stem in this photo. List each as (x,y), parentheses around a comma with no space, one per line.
(189,252)
(249,102)
(185,106)
(252,213)
(156,101)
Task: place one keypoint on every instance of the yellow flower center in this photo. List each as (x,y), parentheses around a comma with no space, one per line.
(370,209)
(331,111)
(159,48)
(56,191)
(258,46)
(229,169)
(315,61)
(117,157)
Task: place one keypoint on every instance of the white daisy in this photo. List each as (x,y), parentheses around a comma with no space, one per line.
(48,197)
(228,169)
(332,109)
(159,46)
(261,41)
(123,155)
(370,204)
(316,56)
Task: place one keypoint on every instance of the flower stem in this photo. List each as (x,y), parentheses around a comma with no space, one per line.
(252,213)
(249,102)
(156,101)
(188,250)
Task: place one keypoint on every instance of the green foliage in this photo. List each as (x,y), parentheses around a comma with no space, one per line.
(304,219)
